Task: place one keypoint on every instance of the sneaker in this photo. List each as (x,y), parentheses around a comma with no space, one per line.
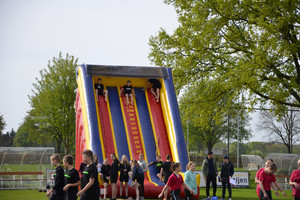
(229,198)
(222,199)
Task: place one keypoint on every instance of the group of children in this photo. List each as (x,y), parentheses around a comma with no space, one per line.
(128,90)
(266,181)
(66,183)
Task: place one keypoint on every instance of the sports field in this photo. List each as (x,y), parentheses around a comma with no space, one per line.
(238,194)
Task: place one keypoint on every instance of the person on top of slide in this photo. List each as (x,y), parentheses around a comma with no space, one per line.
(156,85)
(128,92)
(100,90)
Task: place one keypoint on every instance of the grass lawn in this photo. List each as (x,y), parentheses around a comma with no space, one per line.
(237,194)
(22,195)
(244,194)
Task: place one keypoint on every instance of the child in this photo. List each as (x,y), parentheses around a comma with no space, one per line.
(166,172)
(138,176)
(81,169)
(90,185)
(295,182)
(266,177)
(155,87)
(124,169)
(267,164)
(100,90)
(114,176)
(105,175)
(72,180)
(158,163)
(227,172)
(174,183)
(142,162)
(128,91)
(57,192)
(190,180)
(96,162)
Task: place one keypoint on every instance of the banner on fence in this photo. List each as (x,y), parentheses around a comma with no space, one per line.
(241,179)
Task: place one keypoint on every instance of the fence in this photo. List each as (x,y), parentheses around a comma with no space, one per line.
(24,167)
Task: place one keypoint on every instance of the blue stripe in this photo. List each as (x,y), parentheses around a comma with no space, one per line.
(147,132)
(118,123)
(92,114)
(173,104)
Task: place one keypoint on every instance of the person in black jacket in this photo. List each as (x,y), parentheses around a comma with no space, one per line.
(57,193)
(105,175)
(227,172)
(72,180)
(124,169)
(90,186)
(114,176)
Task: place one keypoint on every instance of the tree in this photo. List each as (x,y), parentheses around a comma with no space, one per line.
(2,124)
(29,134)
(53,99)
(208,117)
(285,129)
(248,48)
(7,139)
(243,148)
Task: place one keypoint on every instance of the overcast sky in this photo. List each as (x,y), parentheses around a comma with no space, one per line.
(32,32)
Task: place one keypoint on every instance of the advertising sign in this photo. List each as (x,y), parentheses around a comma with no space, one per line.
(241,179)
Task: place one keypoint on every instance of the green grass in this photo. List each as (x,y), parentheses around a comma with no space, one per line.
(237,194)
(25,167)
(244,194)
(22,194)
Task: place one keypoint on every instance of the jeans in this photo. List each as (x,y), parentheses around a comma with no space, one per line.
(211,178)
(225,182)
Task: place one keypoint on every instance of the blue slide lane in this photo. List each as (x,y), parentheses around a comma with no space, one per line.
(118,123)
(147,132)
(173,104)
(92,114)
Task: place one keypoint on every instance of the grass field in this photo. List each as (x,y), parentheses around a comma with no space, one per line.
(237,194)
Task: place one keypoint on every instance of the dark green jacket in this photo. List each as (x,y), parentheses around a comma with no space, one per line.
(205,167)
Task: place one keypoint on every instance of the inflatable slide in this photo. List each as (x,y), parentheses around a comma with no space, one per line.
(148,127)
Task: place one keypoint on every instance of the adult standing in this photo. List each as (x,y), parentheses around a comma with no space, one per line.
(210,172)
(295,182)
(227,172)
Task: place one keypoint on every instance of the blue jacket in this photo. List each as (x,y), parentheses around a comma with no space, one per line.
(135,171)
(230,171)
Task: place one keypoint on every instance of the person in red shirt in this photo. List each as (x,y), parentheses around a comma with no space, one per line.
(174,183)
(295,182)
(267,164)
(266,178)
